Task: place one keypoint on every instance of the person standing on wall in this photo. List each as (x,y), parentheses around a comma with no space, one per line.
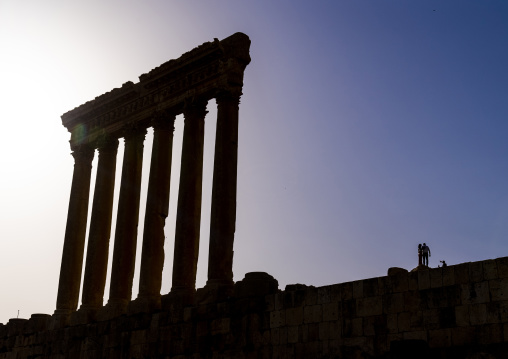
(419,254)
(426,254)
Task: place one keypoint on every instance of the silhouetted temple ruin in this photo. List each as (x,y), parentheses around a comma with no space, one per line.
(182,86)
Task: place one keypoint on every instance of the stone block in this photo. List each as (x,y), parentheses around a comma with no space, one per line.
(440,338)
(348,308)
(503,311)
(324,331)
(270,302)
(370,287)
(384,285)
(502,267)
(375,325)
(391,323)
(490,269)
(412,279)
(275,336)
(416,320)
(436,277)
(475,293)
(279,301)
(461,272)
(357,327)
(220,326)
(335,330)
(294,316)
(283,335)
(311,296)
(493,312)
(462,335)
(478,314)
(423,279)
(293,334)
(277,318)
(404,321)
(358,289)
(448,275)
(489,334)
(313,334)
(393,303)
(323,295)
(412,301)
(498,289)
(416,335)
(476,271)
(330,311)
(400,282)
(312,314)
(462,315)
(431,318)
(346,291)
(369,306)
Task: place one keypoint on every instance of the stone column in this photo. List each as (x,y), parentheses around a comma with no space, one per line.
(188,217)
(223,213)
(100,231)
(157,205)
(124,253)
(75,230)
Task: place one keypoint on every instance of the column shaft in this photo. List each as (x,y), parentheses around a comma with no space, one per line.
(100,227)
(157,205)
(188,218)
(124,253)
(75,231)
(223,213)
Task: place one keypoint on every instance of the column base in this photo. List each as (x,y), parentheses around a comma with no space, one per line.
(84,315)
(114,309)
(61,318)
(145,304)
(215,291)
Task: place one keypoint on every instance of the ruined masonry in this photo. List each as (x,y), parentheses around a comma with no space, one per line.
(456,312)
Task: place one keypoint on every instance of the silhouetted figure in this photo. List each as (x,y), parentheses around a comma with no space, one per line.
(426,254)
(444,264)
(419,254)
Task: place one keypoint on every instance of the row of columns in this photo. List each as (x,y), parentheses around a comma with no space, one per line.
(223,214)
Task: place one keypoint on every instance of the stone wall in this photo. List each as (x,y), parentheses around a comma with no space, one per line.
(458,311)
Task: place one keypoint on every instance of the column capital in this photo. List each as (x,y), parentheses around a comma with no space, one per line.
(82,153)
(195,108)
(107,144)
(133,131)
(228,94)
(163,120)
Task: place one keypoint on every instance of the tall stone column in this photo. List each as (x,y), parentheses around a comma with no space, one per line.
(157,206)
(75,231)
(188,217)
(99,233)
(223,213)
(124,252)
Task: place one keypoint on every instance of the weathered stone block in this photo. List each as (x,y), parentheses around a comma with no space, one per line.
(423,279)
(462,335)
(412,279)
(323,295)
(448,275)
(489,334)
(476,271)
(277,318)
(478,314)
(312,314)
(330,311)
(431,318)
(436,277)
(369,306)
(440,338)
(335,330)
(416,335)
(324,331)
(313,334)
(293,334)
(412,301)
(346,291)
(462,315)
(498,289)
(400,282)
(358,289)
(493,312)
(294,316)
(416,320)
(311,296)
(393,303)
(220,326)
(370,287)
(502,267)
(391,323)
(489,269)
(384,285)
(283,335)
(269,302)
(275,336)
(461,272)
(475,293)
(404,321)
(357,327)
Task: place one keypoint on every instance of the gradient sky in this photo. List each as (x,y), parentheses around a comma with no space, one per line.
(366,127)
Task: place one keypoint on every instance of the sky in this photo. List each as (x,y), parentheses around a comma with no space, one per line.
(366,127)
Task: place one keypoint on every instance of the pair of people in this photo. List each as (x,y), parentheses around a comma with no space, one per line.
(423,254)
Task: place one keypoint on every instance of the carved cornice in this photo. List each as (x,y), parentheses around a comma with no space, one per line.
(202,72)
